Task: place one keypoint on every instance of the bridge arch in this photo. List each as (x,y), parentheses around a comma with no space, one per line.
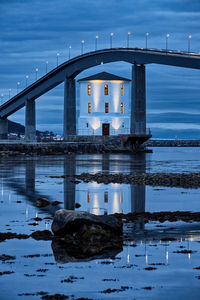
(67,72)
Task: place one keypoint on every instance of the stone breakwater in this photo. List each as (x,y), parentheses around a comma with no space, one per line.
(172,143)
(184,180)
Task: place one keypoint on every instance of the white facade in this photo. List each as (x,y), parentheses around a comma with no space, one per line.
(104,105)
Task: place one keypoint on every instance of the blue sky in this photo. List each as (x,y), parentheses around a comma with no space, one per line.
(33,31)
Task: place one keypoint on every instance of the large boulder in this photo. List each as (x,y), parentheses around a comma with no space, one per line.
(85,234)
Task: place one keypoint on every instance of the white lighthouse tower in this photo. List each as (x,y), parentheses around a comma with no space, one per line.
(104,105)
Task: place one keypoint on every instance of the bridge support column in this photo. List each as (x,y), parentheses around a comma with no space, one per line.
(3,128)
(138,100)
(69,107)
(30,129)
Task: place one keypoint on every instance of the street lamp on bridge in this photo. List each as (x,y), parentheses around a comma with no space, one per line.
(57,56)
(70,47)
(146,34)
(9,93)
(36,73)
(18,84)
(189,38)
(96,38)
(167,37)
(128,38)
(46,65)
(27,77)
(82,43)
(111,38)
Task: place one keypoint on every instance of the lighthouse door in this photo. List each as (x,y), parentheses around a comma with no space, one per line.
(105,129)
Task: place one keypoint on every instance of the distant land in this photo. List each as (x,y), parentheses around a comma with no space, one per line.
(18,128)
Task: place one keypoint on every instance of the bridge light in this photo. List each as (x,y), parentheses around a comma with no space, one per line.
(128,37)
(146,34)
(36,72)
(46,65)
(9,91)
(167,37)
(70,47)
(189,38)
(27,77)
(82,43)
(96,38)
(111,38)
(18,84)
(57,55)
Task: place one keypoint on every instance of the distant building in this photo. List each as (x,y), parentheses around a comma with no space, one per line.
(104,105)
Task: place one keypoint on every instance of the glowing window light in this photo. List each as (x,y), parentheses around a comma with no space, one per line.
(106,89)
(89,89)
(122,107)
(106,197)
(89,108)
(106,107)
(122,90)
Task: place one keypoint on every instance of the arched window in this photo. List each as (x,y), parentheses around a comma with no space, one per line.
(122,90)
(122,107)
(89,89)
(89,108)
(106,89)
(106,107)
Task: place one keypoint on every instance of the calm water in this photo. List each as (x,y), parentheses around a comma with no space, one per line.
(24,179)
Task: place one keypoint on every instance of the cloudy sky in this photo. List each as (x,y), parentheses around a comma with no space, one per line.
(33,31)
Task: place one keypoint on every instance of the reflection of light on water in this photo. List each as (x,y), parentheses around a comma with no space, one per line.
(167,257)
(128,258)
(36,214)
(95,208)
(115,203)
(189,256)
(121,197)
(46,225)
(146,258)
(27,213)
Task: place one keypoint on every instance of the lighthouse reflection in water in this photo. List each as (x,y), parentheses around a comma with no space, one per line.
(102,198)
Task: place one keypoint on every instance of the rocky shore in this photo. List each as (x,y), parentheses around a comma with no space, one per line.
(87,145)
(184,180)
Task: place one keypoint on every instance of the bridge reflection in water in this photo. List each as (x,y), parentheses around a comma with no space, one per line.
(92,197)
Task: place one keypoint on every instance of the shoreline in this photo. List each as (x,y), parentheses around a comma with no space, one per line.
(81,146)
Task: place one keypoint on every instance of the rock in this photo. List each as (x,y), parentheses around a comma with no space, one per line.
(44,235)
(77,205)
(42,202)
(85,234)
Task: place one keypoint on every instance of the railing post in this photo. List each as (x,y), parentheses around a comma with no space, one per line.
(138,99)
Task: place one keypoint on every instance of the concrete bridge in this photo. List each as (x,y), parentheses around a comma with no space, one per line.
(67,72)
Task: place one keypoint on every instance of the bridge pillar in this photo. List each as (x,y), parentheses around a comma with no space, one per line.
(30,129)
(138,100)
(69,107)
(3,128)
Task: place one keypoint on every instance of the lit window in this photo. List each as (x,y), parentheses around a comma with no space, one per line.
(122,90)
(106,107)
(106,89)
(106,197)
(89,108)
(88,197)
(122,107)
(89,89)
